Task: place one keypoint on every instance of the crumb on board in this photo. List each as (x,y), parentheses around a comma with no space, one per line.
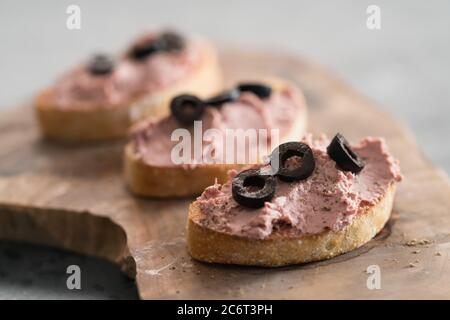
(438,254)
(416,252)
(417,242)
(424,242)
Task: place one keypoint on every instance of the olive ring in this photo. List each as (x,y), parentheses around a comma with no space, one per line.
(178,111)
(263,188)
(252,189)
(264,185)
(339,150)
(101,64)
(187,108)
(287,150)
(167,41)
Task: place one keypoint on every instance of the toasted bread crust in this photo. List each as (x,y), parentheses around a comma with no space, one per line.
(78,125)
(210,246)
(182,181)
(166,182)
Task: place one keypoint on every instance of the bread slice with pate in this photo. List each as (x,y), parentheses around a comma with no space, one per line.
(330,212)
(151,170)
(100,99)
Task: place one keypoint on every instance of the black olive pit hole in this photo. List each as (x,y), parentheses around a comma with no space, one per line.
(254,183)
(188,108)
(292,156)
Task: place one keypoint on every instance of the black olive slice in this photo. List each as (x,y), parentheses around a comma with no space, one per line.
(101,64)
(296,151)
(170,41)
(339,150)
(228,96)
(187,108)
(167,41)
(251,189)
(258,89)
(142,50)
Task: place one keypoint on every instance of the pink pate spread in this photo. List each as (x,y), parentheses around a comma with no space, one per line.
(152,141)
(328,200)
(130,79)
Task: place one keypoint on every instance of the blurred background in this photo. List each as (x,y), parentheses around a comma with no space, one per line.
(404,67)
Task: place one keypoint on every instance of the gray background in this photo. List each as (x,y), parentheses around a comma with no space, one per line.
(404,67)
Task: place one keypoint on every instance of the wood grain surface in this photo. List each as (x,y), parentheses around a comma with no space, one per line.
(73,197)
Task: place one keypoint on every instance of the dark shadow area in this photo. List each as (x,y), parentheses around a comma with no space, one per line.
(35,272)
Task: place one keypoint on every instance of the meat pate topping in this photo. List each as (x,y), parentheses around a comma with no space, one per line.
(152,143)
(328,200)
(130,79)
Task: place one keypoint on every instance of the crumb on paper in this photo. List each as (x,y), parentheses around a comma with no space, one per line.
(416,252)
(411,265)
(438,254)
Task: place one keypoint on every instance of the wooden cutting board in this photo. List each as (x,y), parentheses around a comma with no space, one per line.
(73,197)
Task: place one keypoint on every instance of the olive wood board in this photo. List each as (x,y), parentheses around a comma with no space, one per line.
(73,197)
